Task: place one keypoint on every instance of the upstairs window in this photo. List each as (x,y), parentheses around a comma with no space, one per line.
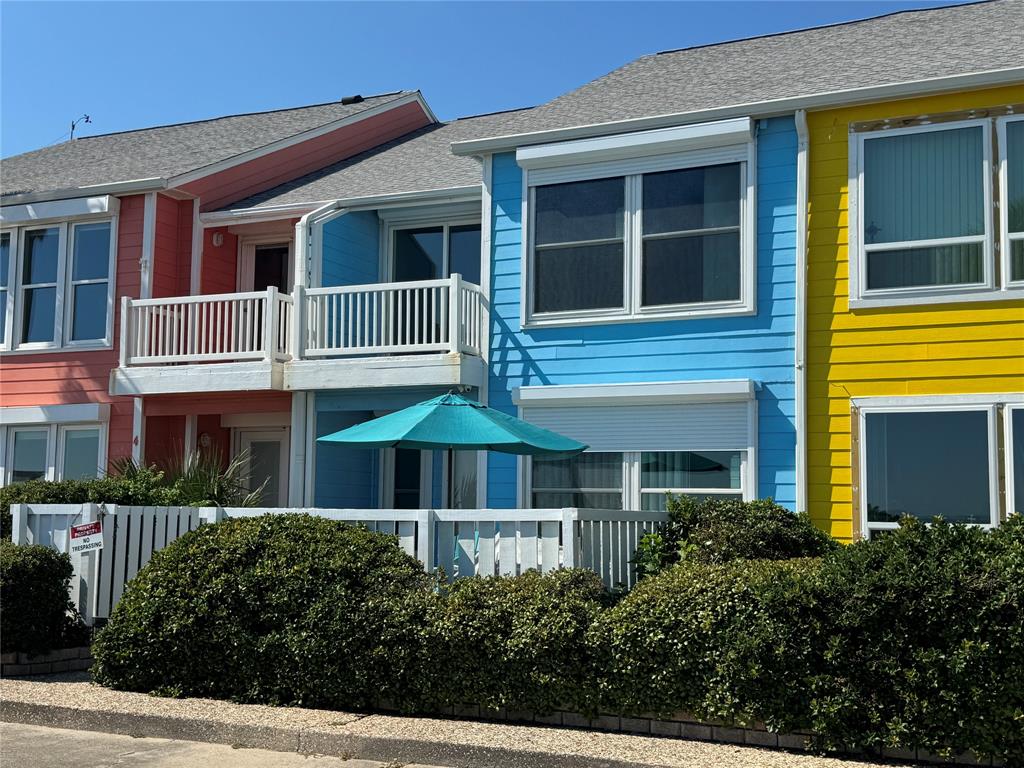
(56,288)
(666,236)
(923,223)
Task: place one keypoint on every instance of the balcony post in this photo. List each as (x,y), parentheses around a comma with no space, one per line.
(298,340)
(454,313)
(123,352)
(271,316)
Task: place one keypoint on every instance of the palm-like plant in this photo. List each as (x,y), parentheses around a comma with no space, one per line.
(202,478)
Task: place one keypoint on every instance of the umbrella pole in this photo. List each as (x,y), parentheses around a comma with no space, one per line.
(451,478)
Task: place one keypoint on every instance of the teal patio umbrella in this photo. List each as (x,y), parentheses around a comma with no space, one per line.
(452,422)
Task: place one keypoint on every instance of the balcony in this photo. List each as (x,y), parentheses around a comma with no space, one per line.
(427,333)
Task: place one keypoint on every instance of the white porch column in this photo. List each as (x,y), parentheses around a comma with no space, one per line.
(297,462)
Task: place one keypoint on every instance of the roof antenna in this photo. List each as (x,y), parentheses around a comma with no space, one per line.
(74,124)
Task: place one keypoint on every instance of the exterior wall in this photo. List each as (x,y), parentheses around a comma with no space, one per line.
(759,347)
(165,439)
(172,247)
(219,265)
(351,249)
(60,378)
(912,350)
(268,171)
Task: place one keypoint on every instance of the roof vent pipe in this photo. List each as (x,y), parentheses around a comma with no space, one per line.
(352,99)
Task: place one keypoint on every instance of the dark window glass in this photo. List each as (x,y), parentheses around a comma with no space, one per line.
(419,254)
(38,314)
(579,277)
(1017,462)
(691,269)
(89,320)
(92,252)
(1015,195)
(587,480)
(927,465)
(29,456)
(937,265)
(5,258)
(464,252)
(270,268)
(693,198)
(579,211)
(41,254)
(407,478)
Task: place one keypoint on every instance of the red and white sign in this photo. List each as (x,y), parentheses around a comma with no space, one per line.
(86,537)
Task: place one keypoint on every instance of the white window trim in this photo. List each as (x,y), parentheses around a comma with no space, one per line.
(988,405)
(632,170)
(989,289)
(245,273)
(55,439)
(1008,440)
(1005,237)
(64,304)
(393,225)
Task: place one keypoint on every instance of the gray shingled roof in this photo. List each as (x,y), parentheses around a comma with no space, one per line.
(165,151)
(901,47)
(417,162)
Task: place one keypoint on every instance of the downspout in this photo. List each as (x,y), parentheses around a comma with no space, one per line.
(298,493)
(800,345)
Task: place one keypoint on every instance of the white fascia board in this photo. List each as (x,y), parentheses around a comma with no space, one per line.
(55,414)
(298,138)
(648,393)
(191,379)
(919,401)
(132,187)
(738,130)
(470,193)
(59,209)
(824,100)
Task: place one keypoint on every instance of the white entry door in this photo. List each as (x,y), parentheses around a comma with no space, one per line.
(267,450)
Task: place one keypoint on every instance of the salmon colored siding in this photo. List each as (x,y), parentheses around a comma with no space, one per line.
(219,265)
(914,350)
(63,378)
(165,439)
(172,247)
(241,181)
(219,403)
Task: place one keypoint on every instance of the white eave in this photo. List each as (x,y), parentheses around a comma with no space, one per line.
(768,108)
(644,393)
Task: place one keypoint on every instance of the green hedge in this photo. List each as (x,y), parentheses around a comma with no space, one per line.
(716,530)
(37,614)
(914,639)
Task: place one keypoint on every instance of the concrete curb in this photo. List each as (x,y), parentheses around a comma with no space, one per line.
(301,740)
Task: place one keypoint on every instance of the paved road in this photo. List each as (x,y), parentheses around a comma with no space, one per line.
(30,746)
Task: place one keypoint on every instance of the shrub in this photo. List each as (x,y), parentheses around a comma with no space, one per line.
(722,641)
(716,530)
(37,614)
(279,609)
(519,642)
(922,640)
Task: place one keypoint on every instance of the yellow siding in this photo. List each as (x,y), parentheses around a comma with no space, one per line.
(922,350)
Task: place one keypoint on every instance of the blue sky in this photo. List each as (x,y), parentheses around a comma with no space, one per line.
(132,65)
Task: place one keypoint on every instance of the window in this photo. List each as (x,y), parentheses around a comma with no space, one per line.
(57,286)
(931,459)
(435,252)
(922,212)
(1015,460)
(689,473)
(1011,135)
(638,480)
(52,452)
(673,238)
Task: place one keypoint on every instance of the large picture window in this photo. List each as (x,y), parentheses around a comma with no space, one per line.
(57,286)
(924,226)
(435,251)
(52,452)
(672,239)
(905,447)
(636,480)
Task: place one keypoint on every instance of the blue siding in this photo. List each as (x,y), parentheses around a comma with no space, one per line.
(759,347)
(346,478)
(351,250)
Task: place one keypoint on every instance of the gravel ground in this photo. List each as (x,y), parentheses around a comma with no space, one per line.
(76,692)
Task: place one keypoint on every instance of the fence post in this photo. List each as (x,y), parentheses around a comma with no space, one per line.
(270,319)
(454,313)
(19,523)
(569,538)
(83,587)
(211,514)
(425,538)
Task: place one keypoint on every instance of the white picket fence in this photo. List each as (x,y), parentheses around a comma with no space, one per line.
(486,542)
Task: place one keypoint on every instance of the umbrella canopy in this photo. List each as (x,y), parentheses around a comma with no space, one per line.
(454,423)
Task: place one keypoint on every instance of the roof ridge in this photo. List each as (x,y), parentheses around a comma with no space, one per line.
(238,114)
(489,114)
(905,11)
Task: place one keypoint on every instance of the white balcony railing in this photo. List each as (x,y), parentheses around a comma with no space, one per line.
(394,318)
(215,328)
(348,321)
